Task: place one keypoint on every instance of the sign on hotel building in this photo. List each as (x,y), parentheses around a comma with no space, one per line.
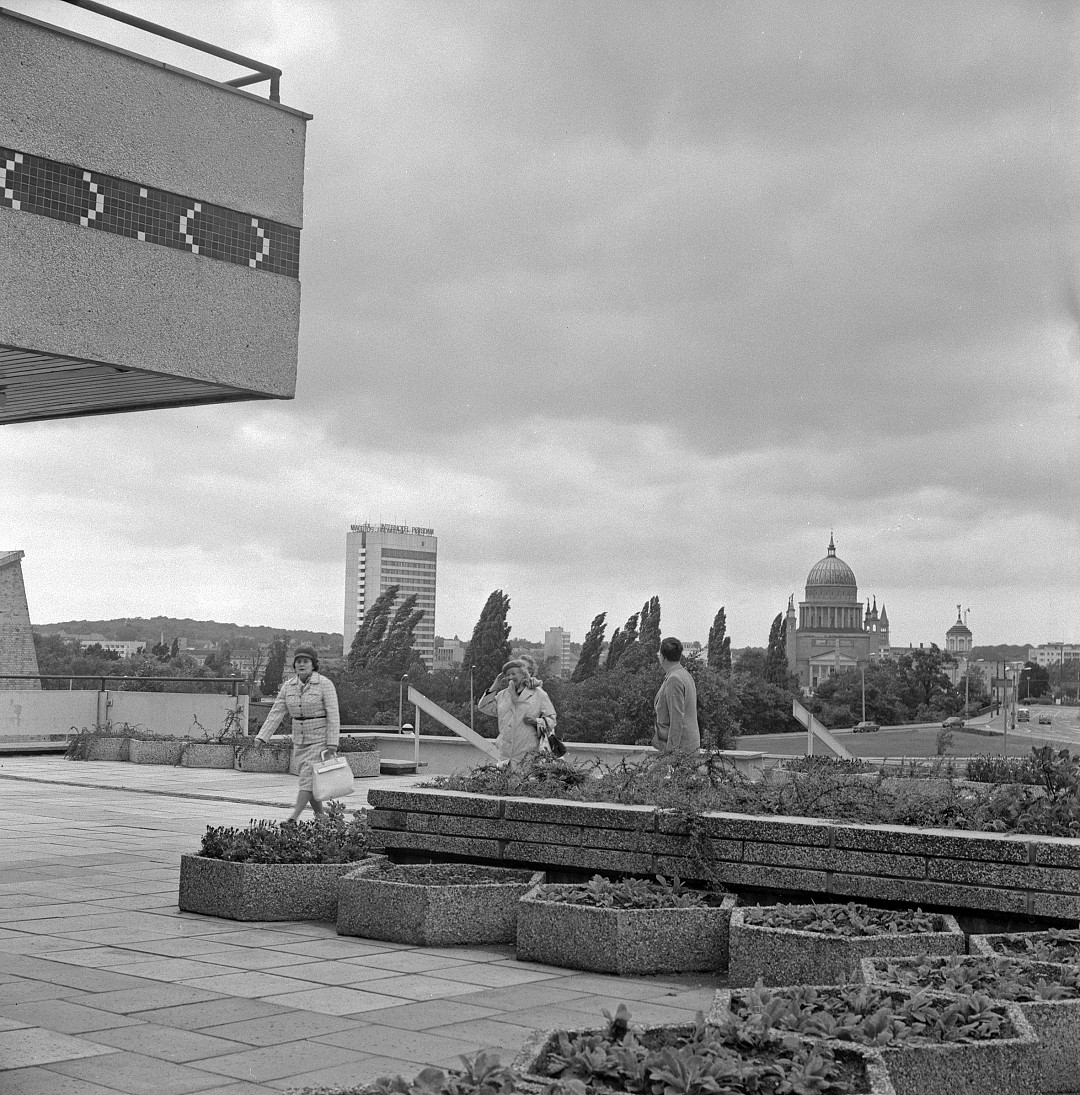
(150,223)
(832,631)
(380,556)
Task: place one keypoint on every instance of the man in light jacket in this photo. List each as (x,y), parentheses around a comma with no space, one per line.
(676,703)
(524,710)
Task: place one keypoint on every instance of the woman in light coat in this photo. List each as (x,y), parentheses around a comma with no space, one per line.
(523,708)
(311,700)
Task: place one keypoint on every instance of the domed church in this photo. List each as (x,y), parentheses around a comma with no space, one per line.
(832,631)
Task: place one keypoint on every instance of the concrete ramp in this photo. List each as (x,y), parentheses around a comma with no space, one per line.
(430,707)
(814,730)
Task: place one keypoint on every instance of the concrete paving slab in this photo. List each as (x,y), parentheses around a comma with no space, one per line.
(28,1046)
(138,1075)
(287,1026)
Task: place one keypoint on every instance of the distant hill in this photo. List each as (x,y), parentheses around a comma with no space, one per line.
(241,637)
(1003,652)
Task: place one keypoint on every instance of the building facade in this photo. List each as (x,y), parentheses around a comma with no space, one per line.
(380,556)
(449,655)
(832,630)
(1048,654)
(557,646)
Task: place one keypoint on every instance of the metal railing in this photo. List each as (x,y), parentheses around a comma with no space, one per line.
(261,72)
(235,682)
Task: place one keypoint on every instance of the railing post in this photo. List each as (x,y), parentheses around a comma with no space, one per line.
(403,685)
(416,742)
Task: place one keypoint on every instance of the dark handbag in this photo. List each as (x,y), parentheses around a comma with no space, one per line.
(549,742)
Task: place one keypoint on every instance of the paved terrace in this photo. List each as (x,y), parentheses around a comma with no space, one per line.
(106,987)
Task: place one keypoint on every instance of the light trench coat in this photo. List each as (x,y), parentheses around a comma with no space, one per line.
(517,739)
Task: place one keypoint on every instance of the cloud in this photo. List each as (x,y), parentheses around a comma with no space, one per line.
(627,298)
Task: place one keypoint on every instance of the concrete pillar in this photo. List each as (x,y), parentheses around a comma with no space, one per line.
(17,654)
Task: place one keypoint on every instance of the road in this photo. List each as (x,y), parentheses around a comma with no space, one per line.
(921,740)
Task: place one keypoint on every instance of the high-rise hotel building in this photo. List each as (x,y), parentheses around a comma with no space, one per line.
(380,556)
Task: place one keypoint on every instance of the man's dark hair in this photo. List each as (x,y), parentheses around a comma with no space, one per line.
(671,649)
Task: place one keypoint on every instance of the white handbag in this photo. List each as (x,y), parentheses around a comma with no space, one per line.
(331,778)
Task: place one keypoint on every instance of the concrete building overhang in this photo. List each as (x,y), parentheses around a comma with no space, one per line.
(150,224)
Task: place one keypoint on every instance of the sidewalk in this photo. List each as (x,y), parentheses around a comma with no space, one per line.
(106,987)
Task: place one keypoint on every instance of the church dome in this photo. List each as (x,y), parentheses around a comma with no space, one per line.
(830,571)
(959,629)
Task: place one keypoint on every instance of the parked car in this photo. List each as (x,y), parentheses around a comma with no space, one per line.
(953,722)
(1044,718)
(866,727)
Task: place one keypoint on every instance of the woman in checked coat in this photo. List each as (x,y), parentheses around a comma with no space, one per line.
(311,700)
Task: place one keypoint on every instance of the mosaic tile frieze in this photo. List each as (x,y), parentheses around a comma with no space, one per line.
(88,198)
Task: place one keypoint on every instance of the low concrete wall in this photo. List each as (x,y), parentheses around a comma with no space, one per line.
(1021,875)
(443,756)
(32,715)
(48,715)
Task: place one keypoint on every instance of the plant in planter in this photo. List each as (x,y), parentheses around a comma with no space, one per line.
(104,742)
(362,756)
(432,904)
(155,748)
(1047,994)
(634,926)
(273,756)
(932,1043)
(272,871)
(729,1059)
(482,1074)
(1054,945)
(822,944)
(215,750)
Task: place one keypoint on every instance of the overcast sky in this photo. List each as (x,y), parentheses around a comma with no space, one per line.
(626,299)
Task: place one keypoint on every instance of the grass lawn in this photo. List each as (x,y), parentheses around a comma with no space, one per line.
(902,743)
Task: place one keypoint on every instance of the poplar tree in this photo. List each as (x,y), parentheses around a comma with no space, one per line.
(719,656)
(777,670)
(275,666)
(622,638)
(367,641)
(589,661)
(395,654)
(489,647)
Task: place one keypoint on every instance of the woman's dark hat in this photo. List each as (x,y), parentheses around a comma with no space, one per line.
(306,651)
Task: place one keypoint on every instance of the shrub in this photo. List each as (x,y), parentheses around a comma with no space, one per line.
(872,1016)
(1055,945)
(698,782)
(328,838)
(1001,978)
(629,893)
(994,769)
(733,1058)
(355,745)
(845,920)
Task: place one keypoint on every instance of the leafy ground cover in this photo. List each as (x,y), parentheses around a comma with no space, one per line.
(873,1016)
(448,874)
(328,838)
(695,1058)
(630,893)
(850,919)
(1055,945)
(1001,978)
(699,782)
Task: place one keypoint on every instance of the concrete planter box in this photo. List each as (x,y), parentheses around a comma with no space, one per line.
(364,765)
(208,754)
(789,956)
(268,758)
(1056,1024)
(623,941)
(1012,874)
(1006,1065)
(261,891)
(155,752)
(532,1058)
(410,907)
(108,749)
